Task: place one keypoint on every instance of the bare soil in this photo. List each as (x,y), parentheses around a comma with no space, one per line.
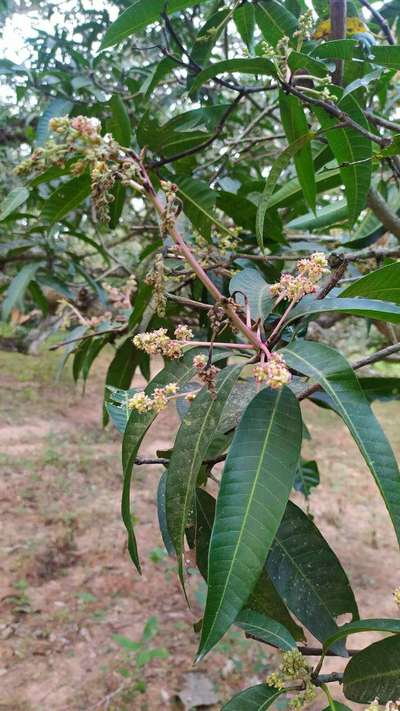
(67,586)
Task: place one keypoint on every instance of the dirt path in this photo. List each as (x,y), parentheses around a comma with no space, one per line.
(67,587)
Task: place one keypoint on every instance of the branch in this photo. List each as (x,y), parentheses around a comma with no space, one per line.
(88,335)
(338,16)
(381,21)
(333,110)
(379,121)
(385,214)
(373,253)
(368,360)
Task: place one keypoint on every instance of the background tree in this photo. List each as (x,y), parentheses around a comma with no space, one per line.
(216,183)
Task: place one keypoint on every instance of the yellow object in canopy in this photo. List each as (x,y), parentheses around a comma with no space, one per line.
(353,26)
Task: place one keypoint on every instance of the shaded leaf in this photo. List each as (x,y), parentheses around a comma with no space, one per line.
(373,625)
(249,282)
(274,20)
(66,198)
(55,108)
(295,126)
(383,284)
(266,629)
(255,698)
(13,201)
(17,288)
(369,308)
(244,19)
(255,65)
(374,673)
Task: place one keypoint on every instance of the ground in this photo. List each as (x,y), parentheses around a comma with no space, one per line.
(79,628)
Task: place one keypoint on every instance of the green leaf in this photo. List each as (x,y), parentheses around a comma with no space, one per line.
(249,282)
(179,372)
(17,288)
(307,477)
(56,107)
(198,204)
(121,370)
(291,190)
(383,284)
(244,19)
(255,698)
(256,65)
(264,599)
(353,152)
(374,673)
(369,308)
(162,514)
(66,198)
(138,16)
(336,706)
(274,20)
(13,201)
(379,388)
(297,61)
(256,481)
(206,39)
(362,82)
(338,49)
(331,370)
(325,217)
(308,575)
(266,629)
(192,440)
(280,164)
(373,625)
(295,126)
(120,125)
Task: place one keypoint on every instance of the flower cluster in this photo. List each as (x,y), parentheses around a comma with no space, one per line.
(274,372)
(80,138)
(144,403)
(159,342)
(305,27)
(390,706)
(294,667)
(293,287)
(206,372)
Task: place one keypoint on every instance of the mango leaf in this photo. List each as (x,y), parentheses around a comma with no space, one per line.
(255,65)
(374,673)
(266,629)
(373,625)
(378,388)
(17,288)
(297,61)
(331,370)
(13,201)
(336,706)
(279,165)
(362,82)
(369,308)
(353,152)
(264,599)
(120,371)
(244,19)
(174,372)
(198,204)
(205,40)
(295,126)
(274,20)
(255,698)
(162,514)
(56,107)
(291,190)
(256,481)
(307,477)
(383,284)
(138,16)
(120,125)
(192,440)
(66,198)
(308,575)
(338,49)
(325,217)
(250,283)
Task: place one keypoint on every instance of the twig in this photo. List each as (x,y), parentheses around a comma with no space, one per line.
(86,336)
(379,121)
(334,279)
(372,253)
(373,358)
(381,209)
(106,700)
(188,302)
(381,21)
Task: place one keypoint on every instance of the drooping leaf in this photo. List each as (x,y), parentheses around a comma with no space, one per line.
(383,284)
(192,440)
(295,126)
(120,125)
(374,673)
(266,629)
(244,19)
(17,288)
(373,625)
(66,198)
(13,201)
(256,481)
(279,165)
(138,16)
(331,370)
(162,514)
(264,599)
(308,575)
(353,152)
(274,20)
(369,308)
(253,66)
(255,698)
(252,285)
(307,477)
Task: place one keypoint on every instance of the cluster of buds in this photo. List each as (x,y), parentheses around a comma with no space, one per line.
(80,138)
(390,706)
(120,298)
(267,50)
(294,288)
(294,668)
(274,372)
(159,342)
(206,372)
(172,205)
(183,333)
(156,279)
(305,28)
(144,403)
